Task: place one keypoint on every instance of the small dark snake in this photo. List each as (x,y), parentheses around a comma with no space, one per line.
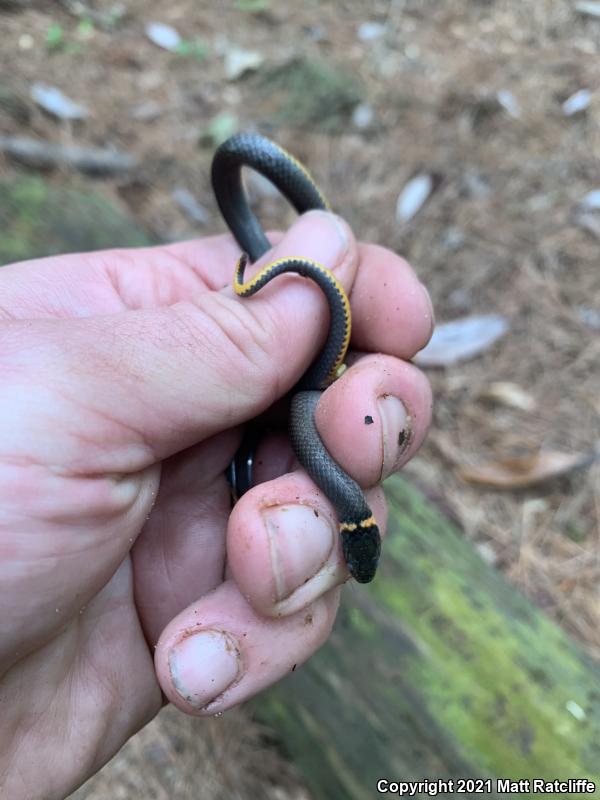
(361,541)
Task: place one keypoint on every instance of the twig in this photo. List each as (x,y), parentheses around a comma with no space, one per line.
(44,155)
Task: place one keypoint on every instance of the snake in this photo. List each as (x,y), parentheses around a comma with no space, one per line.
(359,532)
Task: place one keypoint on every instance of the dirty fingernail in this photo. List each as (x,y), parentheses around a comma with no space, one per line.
(203,665)
(301,540)
(396,429)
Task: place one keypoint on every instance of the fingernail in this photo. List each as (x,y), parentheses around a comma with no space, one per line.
(430,313)
(326,241)
(203,665)
(301,540)
(396,432)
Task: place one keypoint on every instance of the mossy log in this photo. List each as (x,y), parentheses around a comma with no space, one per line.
(438,669)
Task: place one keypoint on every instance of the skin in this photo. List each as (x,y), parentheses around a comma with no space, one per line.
(125,577)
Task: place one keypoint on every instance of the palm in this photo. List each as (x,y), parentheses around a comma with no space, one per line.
(89,634)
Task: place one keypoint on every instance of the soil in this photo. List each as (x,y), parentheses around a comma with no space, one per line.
(467,92)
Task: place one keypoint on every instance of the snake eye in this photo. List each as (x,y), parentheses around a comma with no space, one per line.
(362,547)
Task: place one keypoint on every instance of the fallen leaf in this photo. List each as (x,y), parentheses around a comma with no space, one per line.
(591,201)
(239,61)
(369,31)
(52,100)
(521,472)
(509,103)
(509,394)
(362,116)
(461,339)
(162,35)
(577,102)
(413,197)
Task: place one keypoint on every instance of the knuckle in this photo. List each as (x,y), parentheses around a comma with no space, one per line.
(238,344)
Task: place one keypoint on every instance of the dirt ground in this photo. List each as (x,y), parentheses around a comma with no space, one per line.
(467,92)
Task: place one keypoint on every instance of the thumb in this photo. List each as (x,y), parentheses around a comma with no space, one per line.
(154,381)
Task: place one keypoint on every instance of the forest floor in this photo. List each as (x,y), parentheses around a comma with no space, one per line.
(468,93)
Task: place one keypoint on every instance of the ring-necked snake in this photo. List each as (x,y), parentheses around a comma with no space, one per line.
(360,536)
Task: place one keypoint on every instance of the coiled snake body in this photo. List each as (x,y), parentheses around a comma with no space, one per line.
(361,541)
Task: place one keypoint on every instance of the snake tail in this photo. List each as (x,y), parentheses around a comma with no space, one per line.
(331,359)
(361,540)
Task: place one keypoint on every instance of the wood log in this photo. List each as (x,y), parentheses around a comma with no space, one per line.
(439,669)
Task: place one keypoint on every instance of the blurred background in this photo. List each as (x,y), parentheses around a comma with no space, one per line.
(463,135)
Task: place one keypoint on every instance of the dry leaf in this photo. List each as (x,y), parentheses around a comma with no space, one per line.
(591,201)
(369,31)
(461,340)
(518,473)
(509,394)
(239,61)
(52,100)
(577,102)
(509,103)
(413,197)
(162,35)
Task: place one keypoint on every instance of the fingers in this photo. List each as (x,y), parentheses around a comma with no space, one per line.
(374,418)
(283,544)
(180,553)
(155,381)
(283,540)
(284,554)
(219,652)
(109,281)
(391,309)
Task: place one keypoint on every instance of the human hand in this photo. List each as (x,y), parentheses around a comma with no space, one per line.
(127,375)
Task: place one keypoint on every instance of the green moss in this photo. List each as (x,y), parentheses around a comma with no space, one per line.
(361,623)
(39,219)
(478,648)
(309,94)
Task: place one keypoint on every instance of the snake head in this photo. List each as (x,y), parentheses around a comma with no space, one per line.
(361,543)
